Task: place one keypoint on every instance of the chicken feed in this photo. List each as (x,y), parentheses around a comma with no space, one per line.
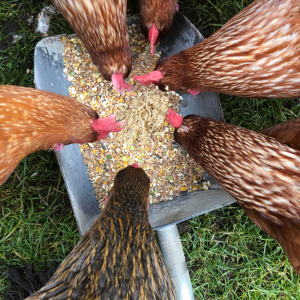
(147,139)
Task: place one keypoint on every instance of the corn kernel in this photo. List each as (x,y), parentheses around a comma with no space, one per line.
(183,188)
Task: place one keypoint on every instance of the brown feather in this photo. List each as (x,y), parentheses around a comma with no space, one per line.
(32,120)
(287,235)
(255,54)
(160,12)
(101,25)
(287,132)
(118,258)
(261,173)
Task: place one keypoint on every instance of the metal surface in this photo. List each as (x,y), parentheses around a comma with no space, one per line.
(49,76)
(171,249)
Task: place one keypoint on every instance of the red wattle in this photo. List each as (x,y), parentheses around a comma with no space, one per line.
(58,147)
(174,118)
(152,36)
(118,82)
(105,200)
(194,92)
(153,77)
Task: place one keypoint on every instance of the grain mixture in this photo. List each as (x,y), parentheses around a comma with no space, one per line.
(147,138)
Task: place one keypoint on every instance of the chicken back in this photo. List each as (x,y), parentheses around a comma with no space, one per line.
(32,120)
(102,26)
(156,18)
(286,132)
(118,258)
(256,54)
(261,173)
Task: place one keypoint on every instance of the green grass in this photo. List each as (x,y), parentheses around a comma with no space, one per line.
(228,256)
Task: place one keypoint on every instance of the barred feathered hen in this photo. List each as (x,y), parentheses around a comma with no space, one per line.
(286,132)
(32,120)
(256,54)
(102,26)
(156,18)
(118,258)
(261,173)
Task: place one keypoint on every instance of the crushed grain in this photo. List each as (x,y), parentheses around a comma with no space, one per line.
(147,138)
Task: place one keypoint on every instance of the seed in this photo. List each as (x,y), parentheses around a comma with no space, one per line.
(183,193)
(147,138)
(183,151)
(78,48)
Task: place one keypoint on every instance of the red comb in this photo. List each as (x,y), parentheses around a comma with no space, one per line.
(174,118)
(118,82)
(153,77)
(104,126)
(135,166)
(152,36)
(177,6)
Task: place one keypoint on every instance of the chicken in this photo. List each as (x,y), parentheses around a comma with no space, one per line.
(102,26)
(261,173)
(118,258)
(256,54)
(156,18)
(287,133)
(32,120)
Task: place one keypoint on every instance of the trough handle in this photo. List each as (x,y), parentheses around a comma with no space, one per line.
(171,248)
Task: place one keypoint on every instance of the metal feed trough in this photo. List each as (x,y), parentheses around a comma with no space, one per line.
(49,76)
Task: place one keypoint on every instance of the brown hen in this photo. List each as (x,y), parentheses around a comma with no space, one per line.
(118,258)
(256,54)
(156,18)
(102,26)
(261,173)
(32,120)
(287,133)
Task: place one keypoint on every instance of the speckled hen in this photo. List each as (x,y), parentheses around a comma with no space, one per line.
(102,26)
(286,132)
(32,120)
(118,258)
(261,173)
(256,54)
(156,18)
